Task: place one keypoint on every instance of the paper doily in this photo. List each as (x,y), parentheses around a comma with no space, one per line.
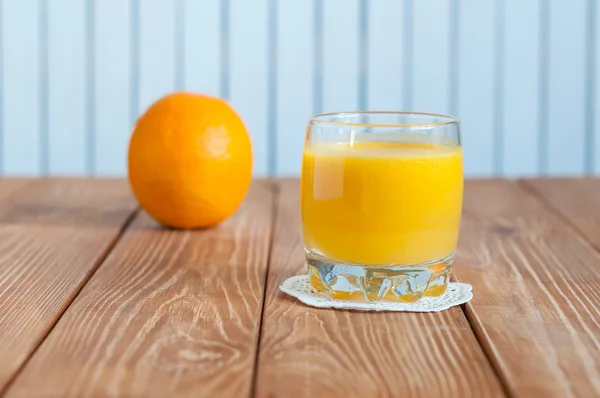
(299,286)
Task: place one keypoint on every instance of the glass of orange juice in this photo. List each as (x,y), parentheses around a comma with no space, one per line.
(381,203)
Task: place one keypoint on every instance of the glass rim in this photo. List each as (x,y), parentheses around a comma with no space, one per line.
(319,119)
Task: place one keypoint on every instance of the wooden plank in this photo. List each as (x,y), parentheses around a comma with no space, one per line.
(170,313)
(476,85)
(308,352)
(386,58)
(67,87)
(295,76)
(576,199)
(112,66)
(248,73)
(340,62)
(201,45)
(9,186)
(566,97)
(53,233)
(156,51)
(595,115)
(536,282)
(432,52)
(521,87)
(21,87)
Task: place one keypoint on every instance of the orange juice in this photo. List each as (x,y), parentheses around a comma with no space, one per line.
(381,203)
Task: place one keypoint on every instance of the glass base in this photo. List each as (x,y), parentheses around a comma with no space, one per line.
(379,283)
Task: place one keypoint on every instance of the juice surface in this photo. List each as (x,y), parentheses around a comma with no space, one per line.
(381,203)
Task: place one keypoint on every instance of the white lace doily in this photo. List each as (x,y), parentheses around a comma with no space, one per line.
(299,286)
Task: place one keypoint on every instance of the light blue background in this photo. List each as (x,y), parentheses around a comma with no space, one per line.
(523,75)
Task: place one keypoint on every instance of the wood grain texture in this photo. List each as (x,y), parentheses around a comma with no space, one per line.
(576,199)
(309,352)
(52,235)
(170,313)
(10,186)
(536,306)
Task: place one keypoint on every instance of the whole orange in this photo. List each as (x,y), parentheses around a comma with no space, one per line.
(190,160)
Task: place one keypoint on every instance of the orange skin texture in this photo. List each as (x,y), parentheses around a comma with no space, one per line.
(190,161)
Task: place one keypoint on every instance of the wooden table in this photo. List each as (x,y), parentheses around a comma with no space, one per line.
(97,300)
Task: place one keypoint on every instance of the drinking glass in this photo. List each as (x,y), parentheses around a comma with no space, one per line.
(381,203)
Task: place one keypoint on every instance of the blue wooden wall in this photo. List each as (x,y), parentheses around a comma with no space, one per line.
(523,75)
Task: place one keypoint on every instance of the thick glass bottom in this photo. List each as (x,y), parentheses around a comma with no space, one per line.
(379,283)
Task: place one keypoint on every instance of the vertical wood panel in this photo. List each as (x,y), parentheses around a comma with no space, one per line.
(66,87)
(386,56)
(202,68)
(272,87)
(295,51)
(476,77)
(248,68)
(596,94)
(431,56)
(224,50)
(566,87)
(521,87)
(21,90)
(179,25)
(340,55)
(157,50)
(112,81)
(2,35)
